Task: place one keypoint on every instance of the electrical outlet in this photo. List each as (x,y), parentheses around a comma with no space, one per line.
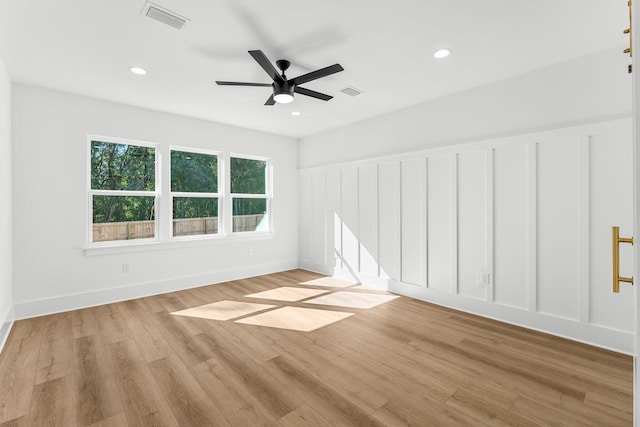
(125,268)
(484,278)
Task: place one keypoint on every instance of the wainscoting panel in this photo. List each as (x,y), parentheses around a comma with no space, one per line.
(334,226)
(306,207)
(611,184)
(319,219)
(389,220)
(510,225)
(412,222)
(558,227)
(368,218)
(472,219)
(516,229)
(349,217)
(440,221)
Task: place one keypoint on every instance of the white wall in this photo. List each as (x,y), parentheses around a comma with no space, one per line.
(5,206)
(591,88)
(52,272)
(533,212)
(541,172)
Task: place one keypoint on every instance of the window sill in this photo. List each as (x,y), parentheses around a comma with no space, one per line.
(176,243)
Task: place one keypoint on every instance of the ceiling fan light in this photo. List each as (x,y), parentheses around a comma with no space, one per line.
(283,98)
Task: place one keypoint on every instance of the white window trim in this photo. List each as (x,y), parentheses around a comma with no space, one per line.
(268,195)
(163,206)
(91,192)
(219,195)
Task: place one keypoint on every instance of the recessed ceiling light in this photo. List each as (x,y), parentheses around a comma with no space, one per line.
(137,70)
(441,53)
(295,113)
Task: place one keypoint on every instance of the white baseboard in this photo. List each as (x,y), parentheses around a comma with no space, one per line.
(6,323)
(40,307)
(588,333)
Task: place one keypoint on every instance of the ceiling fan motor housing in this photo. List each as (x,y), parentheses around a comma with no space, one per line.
(283,88)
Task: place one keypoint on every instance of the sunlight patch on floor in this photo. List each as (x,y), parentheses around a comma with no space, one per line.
(352,299)
(329,282)
(286,293)
(223,310)
(295,318)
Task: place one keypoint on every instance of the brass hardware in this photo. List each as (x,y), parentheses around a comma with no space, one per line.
(629,50)
(615,231)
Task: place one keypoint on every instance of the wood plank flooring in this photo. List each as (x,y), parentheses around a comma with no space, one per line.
(404,362)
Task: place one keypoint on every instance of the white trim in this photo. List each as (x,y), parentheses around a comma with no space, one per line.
(145,245)
(599,336)
(44,306)
(490,218)
(91,192)
(584,150)
(425,234)
(249,196)
(125,141)
(249,157)
(268,194)
(192,194)
(532,247)
(587,129)
(206,151)
(591,334)
(455,286)
(6,324)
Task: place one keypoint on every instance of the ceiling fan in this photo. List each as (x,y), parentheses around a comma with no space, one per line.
(283,88)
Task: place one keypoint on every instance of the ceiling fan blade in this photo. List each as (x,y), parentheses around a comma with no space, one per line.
(312,93)
(323,72)
(270,101)
(266,65)
(242,84)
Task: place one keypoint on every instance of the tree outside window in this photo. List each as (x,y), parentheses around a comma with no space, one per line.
(194,193)
(122,191)
(249,183)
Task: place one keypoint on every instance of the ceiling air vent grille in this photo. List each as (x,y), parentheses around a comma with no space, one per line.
(351,91)
(165,16)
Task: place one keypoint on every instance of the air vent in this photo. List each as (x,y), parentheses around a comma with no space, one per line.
(163,15)
(351,91)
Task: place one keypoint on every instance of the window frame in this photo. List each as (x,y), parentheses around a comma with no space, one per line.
(156,193)
(268,194)
(219,195)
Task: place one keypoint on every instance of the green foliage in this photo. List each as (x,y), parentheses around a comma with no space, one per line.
(122,167)
(194,207)
(194,172)
(248,176)
(122,208)
(249,206)
(132,168)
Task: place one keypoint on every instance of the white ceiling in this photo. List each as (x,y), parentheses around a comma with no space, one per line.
(386,48)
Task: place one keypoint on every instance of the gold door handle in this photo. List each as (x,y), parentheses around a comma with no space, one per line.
(615,231)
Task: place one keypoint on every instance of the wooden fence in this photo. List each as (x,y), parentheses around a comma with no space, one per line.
(129,230)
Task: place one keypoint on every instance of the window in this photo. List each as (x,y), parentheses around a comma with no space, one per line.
(194,193)
(250,194)
(122,191)
(141,192)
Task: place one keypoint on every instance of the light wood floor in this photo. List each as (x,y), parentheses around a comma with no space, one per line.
(404,362)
